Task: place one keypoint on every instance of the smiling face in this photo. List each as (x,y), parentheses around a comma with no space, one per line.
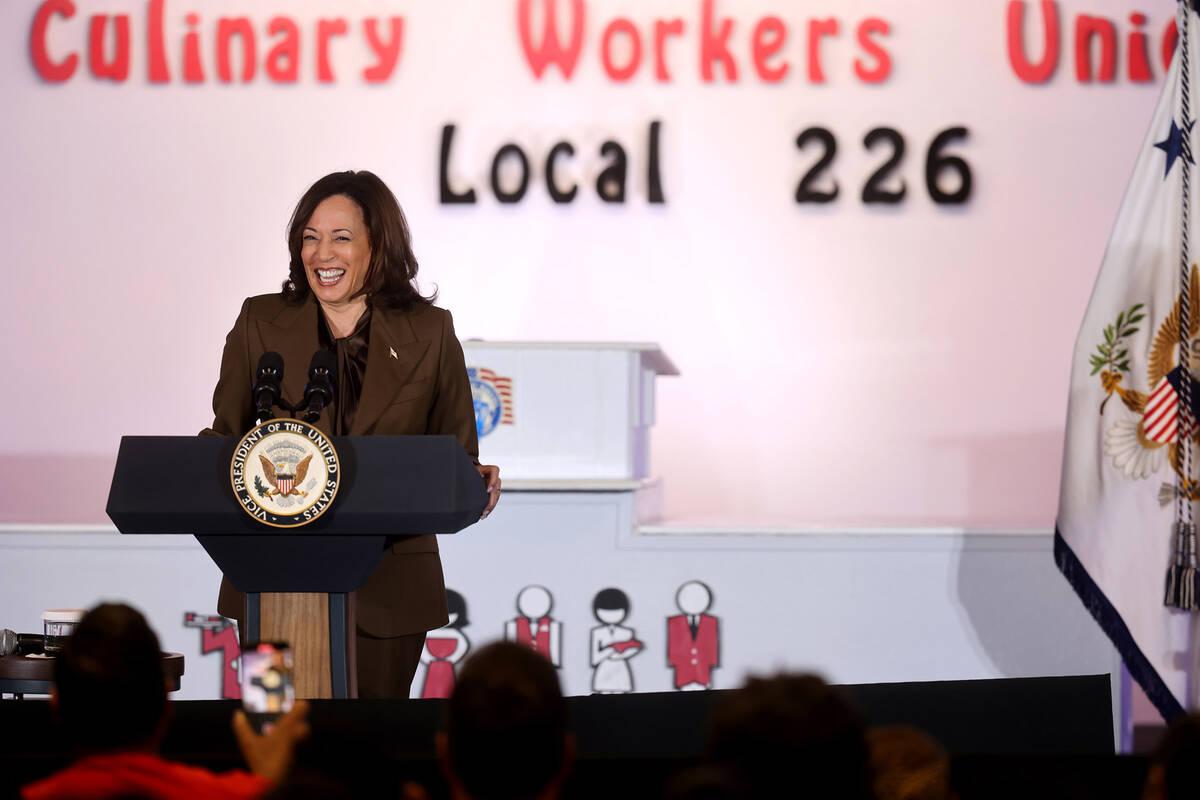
(336,251)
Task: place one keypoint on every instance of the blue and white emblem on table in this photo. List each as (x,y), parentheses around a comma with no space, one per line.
(492,395)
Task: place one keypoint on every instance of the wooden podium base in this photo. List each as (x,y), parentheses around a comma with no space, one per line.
(301,621)
(319,628)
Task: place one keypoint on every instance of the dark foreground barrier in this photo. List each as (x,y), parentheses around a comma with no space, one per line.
(1009,737)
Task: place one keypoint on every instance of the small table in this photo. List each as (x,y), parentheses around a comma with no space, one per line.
(20,675)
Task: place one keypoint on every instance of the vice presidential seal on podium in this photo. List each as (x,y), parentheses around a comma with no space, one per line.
(285,473)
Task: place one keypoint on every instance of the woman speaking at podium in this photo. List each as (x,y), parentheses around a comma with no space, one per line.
(400,370)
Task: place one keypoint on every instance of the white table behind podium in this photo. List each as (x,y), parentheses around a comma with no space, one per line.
(576,410)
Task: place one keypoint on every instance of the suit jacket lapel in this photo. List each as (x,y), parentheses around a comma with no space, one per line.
(393,352)
(293,334)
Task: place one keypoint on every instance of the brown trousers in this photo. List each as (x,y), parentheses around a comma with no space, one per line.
(386,666)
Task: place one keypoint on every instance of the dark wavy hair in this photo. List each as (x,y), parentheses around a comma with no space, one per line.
(391,278)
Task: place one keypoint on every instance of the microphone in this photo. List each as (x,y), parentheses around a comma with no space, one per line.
(23,643)
(318,392)
(267,390)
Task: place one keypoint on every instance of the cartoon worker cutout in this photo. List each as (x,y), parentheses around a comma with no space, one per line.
(444,648)
(220,635)
(693,638)
(534,628)
(612,644)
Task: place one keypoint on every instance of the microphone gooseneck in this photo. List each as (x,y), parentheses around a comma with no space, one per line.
(322,377)
(268,385)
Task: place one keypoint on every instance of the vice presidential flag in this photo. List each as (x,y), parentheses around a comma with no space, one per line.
(1125,535)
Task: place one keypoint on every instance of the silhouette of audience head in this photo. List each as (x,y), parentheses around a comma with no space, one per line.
(110,693)
(506,727)
(791,731)
(908,764)
(1175,763)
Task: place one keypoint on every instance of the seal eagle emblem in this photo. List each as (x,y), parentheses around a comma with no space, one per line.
(284,484)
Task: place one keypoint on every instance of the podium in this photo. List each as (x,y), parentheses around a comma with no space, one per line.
(297,580)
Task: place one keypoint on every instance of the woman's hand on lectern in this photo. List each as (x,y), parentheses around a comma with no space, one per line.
(491,476)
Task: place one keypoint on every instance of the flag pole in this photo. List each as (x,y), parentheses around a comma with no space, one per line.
(1183,583)
(1125,736)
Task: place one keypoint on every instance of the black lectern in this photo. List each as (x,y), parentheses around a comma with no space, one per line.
(390,486)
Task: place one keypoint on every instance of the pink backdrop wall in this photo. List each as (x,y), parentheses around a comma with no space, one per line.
(842,364)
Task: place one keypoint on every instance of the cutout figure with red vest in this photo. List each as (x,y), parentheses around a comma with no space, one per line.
(444,648)
(535,628)
(693,638)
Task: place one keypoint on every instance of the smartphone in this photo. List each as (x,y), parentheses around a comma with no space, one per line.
(267,691)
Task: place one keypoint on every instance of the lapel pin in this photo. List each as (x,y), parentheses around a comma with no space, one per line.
(392,353)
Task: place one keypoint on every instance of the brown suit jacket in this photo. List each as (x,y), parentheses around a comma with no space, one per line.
(415,383)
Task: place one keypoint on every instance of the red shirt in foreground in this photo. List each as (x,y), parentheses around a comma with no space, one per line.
(143,775)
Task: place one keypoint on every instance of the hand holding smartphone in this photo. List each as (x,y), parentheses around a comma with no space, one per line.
(267,691)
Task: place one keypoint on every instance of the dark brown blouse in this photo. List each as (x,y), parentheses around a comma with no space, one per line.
(351,352)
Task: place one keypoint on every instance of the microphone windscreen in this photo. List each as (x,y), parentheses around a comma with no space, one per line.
(272,361)
(324,359)
(8,642)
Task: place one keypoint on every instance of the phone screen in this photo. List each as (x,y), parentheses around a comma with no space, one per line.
(267,690)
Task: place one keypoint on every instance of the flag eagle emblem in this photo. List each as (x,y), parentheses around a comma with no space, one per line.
(1140,444)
